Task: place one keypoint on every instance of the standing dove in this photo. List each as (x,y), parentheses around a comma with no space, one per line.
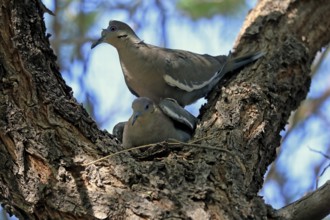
(159,73)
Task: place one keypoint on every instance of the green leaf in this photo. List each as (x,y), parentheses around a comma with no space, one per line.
(208,8)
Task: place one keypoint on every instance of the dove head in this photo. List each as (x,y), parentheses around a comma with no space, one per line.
(115,34)
(142,108)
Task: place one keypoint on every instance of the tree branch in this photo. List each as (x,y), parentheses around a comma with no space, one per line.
(314,205)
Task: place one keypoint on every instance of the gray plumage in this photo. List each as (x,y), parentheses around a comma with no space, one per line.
(118,130)
(159,73)
(149,124)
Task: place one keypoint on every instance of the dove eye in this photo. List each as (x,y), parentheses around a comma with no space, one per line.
(113,28)
(147,107)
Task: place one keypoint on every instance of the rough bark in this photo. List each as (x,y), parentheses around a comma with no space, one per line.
(46,137)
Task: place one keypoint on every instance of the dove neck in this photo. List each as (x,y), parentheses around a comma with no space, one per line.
(127,42)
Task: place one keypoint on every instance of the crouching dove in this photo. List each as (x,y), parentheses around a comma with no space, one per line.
(159,73)
(152,123)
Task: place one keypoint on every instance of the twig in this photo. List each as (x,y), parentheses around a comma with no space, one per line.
(174,142)
(119,152)
(320,152)
(325,168)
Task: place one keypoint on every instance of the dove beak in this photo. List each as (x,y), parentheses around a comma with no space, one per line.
(99,41)
(135,117)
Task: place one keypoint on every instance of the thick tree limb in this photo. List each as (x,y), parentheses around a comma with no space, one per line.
(314,205)
(46,136)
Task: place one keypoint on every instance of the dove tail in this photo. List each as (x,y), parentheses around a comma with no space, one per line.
(233,64)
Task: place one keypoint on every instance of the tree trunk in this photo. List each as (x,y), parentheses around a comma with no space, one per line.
(47,138)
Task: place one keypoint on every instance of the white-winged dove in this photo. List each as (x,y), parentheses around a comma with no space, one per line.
(159,73)
(152,123)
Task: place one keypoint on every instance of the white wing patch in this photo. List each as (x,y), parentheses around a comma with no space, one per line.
(177,117)
(185,86)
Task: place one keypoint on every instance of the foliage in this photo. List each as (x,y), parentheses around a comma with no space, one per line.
(197,9)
